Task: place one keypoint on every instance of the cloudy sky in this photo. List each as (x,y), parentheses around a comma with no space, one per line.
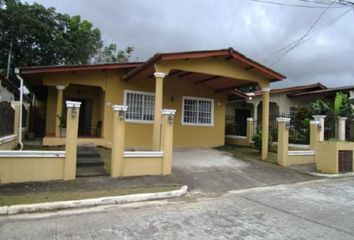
(256,29)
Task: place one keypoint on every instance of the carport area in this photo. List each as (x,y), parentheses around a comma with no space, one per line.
(215,171)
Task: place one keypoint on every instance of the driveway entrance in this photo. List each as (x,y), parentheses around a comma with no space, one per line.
(214,171)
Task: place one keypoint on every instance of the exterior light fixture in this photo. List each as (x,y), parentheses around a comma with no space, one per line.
(170,118)
(121,110)
(74,108)
(73,112)
(121,114)
(170,113)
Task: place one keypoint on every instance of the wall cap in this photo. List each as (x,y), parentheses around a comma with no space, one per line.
(160,74)
(15,104)
(319,116)
(60,87)
(316,122)
(282,119)
(301,153)
(8,138)
(266,89)
(142,154)
(342,118)
(32,154)
(117,108)
(250,119)
(236,137)
(72,104)
(168,111)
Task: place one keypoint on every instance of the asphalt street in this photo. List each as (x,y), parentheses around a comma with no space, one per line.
(320,209)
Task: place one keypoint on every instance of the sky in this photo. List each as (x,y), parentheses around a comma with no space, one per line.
(256,29)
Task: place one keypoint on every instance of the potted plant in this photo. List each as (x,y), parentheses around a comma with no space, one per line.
(62,126)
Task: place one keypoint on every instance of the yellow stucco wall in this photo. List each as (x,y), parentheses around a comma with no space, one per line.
(142,166)
(327,155)
(139,135)
(26,169)
(300,159)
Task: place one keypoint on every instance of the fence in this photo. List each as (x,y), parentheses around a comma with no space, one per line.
(7,114)
(299,133)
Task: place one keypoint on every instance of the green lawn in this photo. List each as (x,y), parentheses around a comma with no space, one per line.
(248,153)
(63,196)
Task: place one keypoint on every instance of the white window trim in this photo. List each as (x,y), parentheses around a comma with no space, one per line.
(126,91)
(198,124)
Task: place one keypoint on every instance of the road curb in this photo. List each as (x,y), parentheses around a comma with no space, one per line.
(332,175)
(92,202)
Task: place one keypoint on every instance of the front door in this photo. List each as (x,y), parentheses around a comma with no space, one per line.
(241,116)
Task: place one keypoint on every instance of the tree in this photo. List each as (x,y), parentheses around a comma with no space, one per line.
(41,36)
(110,54)
(342,106)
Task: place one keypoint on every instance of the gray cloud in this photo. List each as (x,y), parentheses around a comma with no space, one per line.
(255,29)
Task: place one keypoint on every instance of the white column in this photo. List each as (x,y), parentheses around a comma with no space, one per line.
(156,141)
(255,111)
(255,116)
(341,128)
(321,119)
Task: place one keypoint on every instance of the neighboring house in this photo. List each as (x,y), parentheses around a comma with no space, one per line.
(283,102)
(197,84)
(7,90)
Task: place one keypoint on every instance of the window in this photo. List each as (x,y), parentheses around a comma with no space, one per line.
(198,111)
(141,106)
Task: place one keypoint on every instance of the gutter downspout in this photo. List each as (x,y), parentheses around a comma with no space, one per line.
(17,72)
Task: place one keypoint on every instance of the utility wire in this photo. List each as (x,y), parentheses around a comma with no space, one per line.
(297,5)
(298,43)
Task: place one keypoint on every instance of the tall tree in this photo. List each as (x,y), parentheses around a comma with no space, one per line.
(41,36)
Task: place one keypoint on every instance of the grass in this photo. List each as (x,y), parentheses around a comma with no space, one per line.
(248,153)
(64,196)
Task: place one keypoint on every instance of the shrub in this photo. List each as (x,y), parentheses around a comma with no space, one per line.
(320,107)
(257,139)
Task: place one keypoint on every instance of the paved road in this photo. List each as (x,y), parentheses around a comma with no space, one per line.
(311,210)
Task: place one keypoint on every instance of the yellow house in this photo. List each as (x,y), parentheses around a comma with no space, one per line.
(197,84)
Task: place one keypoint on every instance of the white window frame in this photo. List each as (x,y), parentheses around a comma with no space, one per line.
(126,91)
(211,124)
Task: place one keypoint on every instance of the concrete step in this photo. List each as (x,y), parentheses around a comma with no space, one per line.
(89,162)
(88,154)
(91,171)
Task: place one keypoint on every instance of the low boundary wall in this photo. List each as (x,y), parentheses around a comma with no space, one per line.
(236,140)
(143,163)
(27,166)
(301,157)
(8,142)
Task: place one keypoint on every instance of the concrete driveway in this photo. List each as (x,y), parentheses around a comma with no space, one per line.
(214,171)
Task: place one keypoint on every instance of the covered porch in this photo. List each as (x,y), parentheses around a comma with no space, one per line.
(53,86)
(91,113)
(223,71)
